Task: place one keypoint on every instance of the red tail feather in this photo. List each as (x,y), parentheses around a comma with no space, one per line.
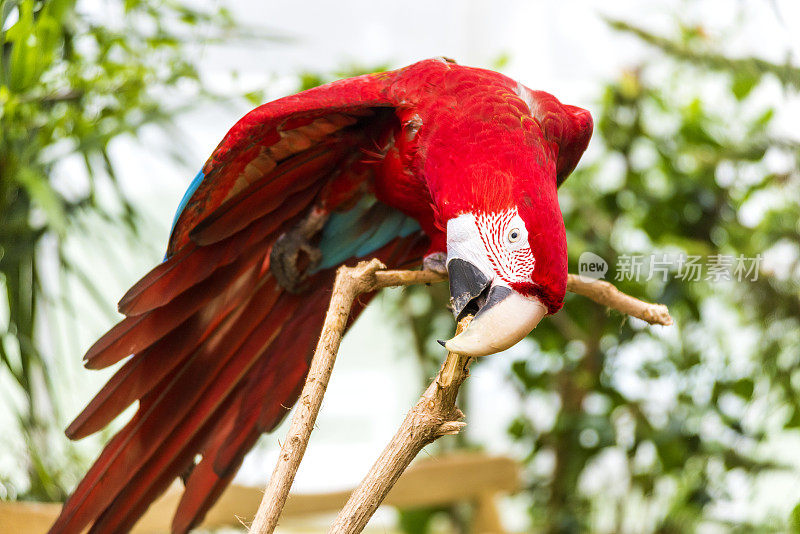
(279,379)
(177,444)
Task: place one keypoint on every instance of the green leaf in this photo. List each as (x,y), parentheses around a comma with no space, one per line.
(416,521)
(744,81)
(763,120)
(519,428)
(744,388)
(794,420)
(45,197)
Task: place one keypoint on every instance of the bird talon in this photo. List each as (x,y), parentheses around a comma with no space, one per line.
(436,262)
(293,258)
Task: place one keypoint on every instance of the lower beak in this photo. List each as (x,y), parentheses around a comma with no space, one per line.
(502,316)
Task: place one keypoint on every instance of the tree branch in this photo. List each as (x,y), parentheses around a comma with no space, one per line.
(599,291)
(788,74)
(434,415)
(606,294)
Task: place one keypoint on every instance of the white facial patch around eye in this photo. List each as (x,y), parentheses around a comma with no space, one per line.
(464,241)
(494,242)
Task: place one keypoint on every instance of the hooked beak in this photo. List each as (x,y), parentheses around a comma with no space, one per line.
(502,316)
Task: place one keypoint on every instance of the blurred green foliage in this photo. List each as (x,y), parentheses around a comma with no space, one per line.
(628,428)
(71,82)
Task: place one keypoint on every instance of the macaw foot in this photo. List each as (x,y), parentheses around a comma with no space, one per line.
(435,262)
(293,256)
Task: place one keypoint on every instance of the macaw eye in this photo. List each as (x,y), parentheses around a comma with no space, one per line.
(513,235)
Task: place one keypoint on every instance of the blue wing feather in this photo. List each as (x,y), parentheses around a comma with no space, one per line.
(198,179)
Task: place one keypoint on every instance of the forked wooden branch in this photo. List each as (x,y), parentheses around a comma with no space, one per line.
(433,416)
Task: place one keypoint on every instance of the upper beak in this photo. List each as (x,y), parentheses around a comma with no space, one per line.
(502,316)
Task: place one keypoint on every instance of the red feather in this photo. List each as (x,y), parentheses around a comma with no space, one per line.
(263,196)
(136,333)
(192,265)
(279,378)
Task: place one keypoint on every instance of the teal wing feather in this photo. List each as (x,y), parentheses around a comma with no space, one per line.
(361,230)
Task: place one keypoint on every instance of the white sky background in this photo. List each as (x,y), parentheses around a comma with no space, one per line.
(561,47)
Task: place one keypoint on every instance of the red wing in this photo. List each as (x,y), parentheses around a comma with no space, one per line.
(220,349)
(271,134)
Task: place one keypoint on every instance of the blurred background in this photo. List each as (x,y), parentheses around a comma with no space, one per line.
(108,108)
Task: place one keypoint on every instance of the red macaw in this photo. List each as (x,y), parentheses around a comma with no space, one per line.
(451,166)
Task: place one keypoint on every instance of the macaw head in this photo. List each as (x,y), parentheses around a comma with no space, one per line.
(506,243)
(508,268)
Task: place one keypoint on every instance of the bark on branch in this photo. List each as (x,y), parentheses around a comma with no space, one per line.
(606,294)
(434,415)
